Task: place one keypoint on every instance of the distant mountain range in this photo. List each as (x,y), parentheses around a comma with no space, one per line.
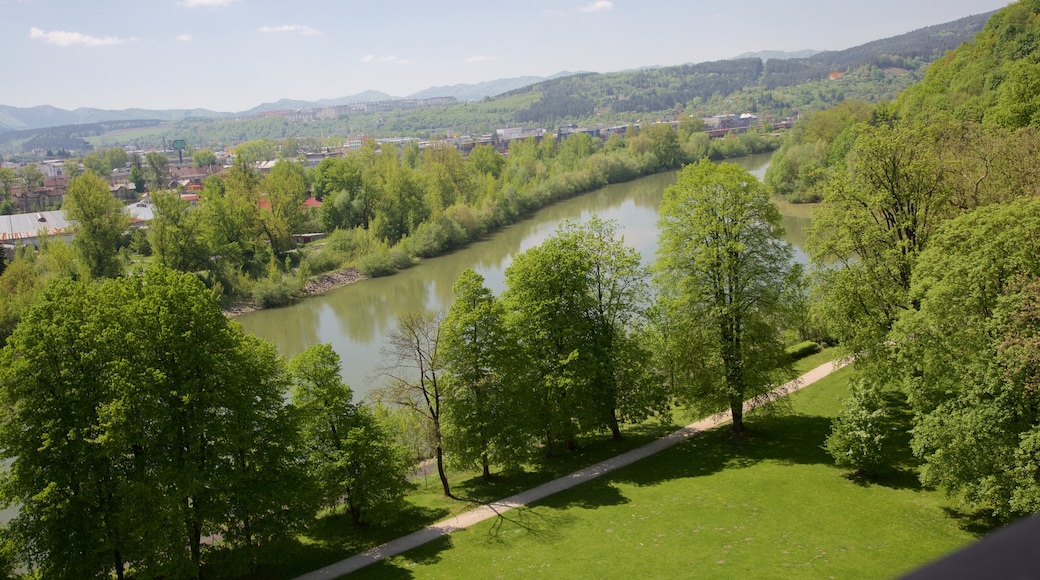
(21,118)
(777,54)
(569,94)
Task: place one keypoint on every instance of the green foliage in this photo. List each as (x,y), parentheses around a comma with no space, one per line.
(350,454)
(968,356)
(859,431)
(721,276)
(100,222)
(174,417)
(803,349)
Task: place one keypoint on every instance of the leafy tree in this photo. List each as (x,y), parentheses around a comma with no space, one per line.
(858,432)
(259,150)
(175,233)
(968,357)
(548,302)
(351,456)
(158,166)
(162,423)
(70,168)
(412,374)
(874,222)
(138,178)
(721,273)
(203,158)
(32,177)
(116,158)
(479,409)
(100,222)
(7,179)
(484,159)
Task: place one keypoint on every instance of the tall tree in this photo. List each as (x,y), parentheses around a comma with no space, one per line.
(100,221)
(412,373)
(175,233)
(721,272)
(968,354)
(157,422)
(158,166)
(480,413)
(351,456)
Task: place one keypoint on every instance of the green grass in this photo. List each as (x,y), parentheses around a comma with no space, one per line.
(770,505)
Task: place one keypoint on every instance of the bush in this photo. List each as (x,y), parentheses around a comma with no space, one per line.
(376,264)
(270,293)
(803,349)
(858,432)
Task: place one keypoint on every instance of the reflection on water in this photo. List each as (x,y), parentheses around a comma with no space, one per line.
(355,319)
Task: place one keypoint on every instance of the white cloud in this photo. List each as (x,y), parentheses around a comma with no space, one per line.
(387,59)
(64,38)
(207,3)
(598,6)
(184,37)
(298,28)
(480,58)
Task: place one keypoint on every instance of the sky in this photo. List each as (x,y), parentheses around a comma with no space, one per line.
(232,55)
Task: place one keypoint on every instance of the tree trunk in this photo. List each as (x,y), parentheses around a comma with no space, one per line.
(615,428)
(487,468)
(119,564)
(736,407)
(441,474)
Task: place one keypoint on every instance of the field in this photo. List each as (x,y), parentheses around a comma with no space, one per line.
(771,505)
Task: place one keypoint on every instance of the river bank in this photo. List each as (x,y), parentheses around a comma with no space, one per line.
(315,286)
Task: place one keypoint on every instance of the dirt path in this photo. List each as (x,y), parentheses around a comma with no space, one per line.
(490,510)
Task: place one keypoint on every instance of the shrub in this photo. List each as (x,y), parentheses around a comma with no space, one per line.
(858,432)
(803,349)
(376,264)
(270,292)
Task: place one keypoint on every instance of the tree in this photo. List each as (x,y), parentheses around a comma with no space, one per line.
(32,177)
(70,168)
(548,304)
(175,233)
(351,456)
(479,411)
(153,422)
(100,221)
(286,188)
(157,167)
(968,357)
(484,159)
(858,432)
(721,272)
(203,158)
(412,375)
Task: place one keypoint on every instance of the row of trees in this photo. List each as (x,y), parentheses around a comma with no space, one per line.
(579,343)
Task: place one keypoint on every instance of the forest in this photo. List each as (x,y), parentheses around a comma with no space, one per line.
(132,430)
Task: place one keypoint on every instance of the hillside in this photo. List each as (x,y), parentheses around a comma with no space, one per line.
(876,71)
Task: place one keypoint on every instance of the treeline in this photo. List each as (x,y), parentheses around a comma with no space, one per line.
(157,441)
(924,246)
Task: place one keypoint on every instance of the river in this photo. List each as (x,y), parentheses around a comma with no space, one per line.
(355,319)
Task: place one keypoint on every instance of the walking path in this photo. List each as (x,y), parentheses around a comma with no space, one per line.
(490,510)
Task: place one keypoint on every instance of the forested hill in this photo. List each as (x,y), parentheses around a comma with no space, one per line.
(992,79)
(664,88)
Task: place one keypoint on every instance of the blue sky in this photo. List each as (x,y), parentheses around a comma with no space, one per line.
(231,55)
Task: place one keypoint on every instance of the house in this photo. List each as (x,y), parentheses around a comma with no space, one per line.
(26,229)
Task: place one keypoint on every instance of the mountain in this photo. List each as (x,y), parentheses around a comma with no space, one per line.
(18,118)
(777,54)
(478,91)
(292,104)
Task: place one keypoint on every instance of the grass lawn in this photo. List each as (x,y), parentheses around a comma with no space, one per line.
(771,505)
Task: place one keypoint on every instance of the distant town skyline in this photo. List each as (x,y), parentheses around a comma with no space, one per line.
(232,55)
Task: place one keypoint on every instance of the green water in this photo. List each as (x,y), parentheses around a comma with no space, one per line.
(354,319)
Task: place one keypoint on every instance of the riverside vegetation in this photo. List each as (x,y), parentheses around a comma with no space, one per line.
(935,295)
